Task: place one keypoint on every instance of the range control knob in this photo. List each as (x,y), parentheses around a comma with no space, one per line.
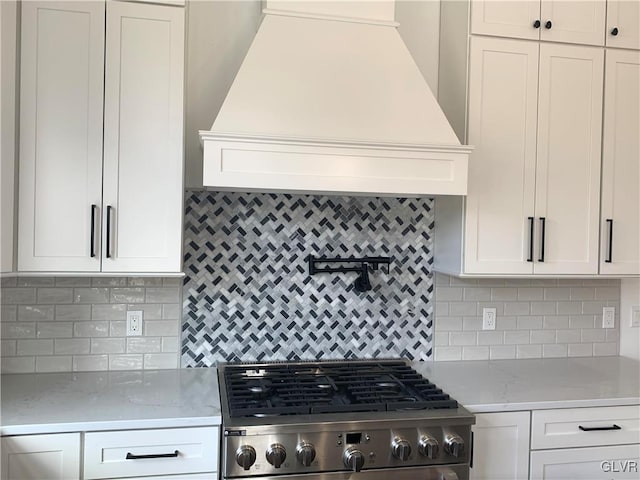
(246,456)
(428,446)
(401,449)
(276,454)
(353,459)
(306,453)
(454,445)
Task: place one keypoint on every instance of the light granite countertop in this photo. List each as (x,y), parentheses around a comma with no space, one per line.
(511,385)
(89,401)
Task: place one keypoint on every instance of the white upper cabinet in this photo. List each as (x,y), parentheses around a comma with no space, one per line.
(572,21)
(620,222)
(143,138)
(567,21)
(503,90)
(77,213)
(568,159)
(623,24)
(61,102)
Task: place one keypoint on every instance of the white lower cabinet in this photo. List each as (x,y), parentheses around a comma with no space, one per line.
(37,457)
(138,453)
(501,446)
(620,462)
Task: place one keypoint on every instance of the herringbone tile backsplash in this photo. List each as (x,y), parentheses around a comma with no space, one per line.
(248,295)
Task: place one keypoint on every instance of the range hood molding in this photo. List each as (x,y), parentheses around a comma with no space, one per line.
(332,106)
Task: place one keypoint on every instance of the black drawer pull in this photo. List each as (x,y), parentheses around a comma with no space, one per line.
(543,232)
(599,429)
(531,221)
(609,258)
(131,456)
(93,230)
(108,233)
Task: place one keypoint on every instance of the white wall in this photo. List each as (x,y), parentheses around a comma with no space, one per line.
(218,36)
(8,12)
(420,29)
(629,336)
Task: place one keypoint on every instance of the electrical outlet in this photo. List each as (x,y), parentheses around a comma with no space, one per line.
(488,318)
(635,316)
(608,317)
(134,323)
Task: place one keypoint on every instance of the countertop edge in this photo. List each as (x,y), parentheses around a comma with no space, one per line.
(550,405)
(96,426)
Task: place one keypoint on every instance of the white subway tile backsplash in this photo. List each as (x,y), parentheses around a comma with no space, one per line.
(73,281)
(162,328)
(462,308)
(568,336)
(477,294)
(173,310)
(109,282)
(73,312)
(472,323)
(517,308)
(90,295)
(125,362)
(171,344)
(554,351)
(144,282)
(581,349)
(160,360)
(18,330)
(530,293)
(144,345)
(56,296)
(108,345)
(440,339)
(557,293)
(593,335)
(448,353)
(35,347)
(489,337)
(109,312)
(448,324)
(516,337)
(35,313)
(8,348)
(529,351)
(582,321)
(150,311)
(35,281)
(8,313)
(502,352)
(569,308)
(555,322)
(475,353)
(450,294)
(543,308)
(88,363)
(162,295)
(47,364)
(91,329)
(582,293)
(127,295)
(605,349)
(594,308)
(504,294)
(71,346)
(542,336)
(18,364)
(462,338)
(54,329)
(18,296)
(506,323)
(529,323)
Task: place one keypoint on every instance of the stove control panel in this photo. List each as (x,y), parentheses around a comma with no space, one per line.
(328,448)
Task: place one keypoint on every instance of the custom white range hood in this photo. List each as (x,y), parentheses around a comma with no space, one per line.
(328,99)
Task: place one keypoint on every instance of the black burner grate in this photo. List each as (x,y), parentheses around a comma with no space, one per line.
(288,389)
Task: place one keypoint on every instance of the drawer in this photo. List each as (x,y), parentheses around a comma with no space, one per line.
(585,427)
(151,452)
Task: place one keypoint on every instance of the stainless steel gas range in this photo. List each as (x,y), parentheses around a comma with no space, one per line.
(359,420)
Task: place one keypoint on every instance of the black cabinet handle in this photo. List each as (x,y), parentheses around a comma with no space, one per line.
(609,258)
(599,429)
(548,25)
(131,456)
(536,24)
(531,224)
(614,31)
(543,231)
(108,233)
(93,230)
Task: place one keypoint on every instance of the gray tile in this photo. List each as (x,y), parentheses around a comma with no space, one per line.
(605,349)
(554,351)
(529,323)
(462,308)
(73,312)
(462,338)
(569,308)
(91,295)
(55,296)
(506,323)
(161,328)
(109,311)
(6,282)
(570,282)
(48,364)
(144,344)
(583,293)
(491,338)
(8,348)
(35,313)
(448,354)
(568,336)
(543,308)
(556,322)
(463,282)
(125,362)
(517,308)
(477,294)
(504,294)
(542,336)
(145,282)
(91,329)
(172,344)
(475,353)
(590,335)
(595,282)
(18,330)
(54,330)
(8,313)
(90,363)
(516,337)
(594,308)
(607,293)
(172,281)
(502,352)
(18,296)
(441,309)
(71,346)
(35,281)
(448,324)
(150,311)
(163,295)
(109,282)
(35,347)
(612,335)
(580,349)
(117,328)
(497,305)
(518,282)
(73,281)
(441,340)
(557,293)
(127,295)
(529,351)
(530,293)
(19,365)
(108,345)
(582,321)
(153,361)
(448,294)
(472,323)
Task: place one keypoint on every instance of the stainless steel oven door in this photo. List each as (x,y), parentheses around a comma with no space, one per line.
(440,472)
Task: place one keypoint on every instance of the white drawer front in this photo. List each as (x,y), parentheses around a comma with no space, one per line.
(105,453)
(562,427)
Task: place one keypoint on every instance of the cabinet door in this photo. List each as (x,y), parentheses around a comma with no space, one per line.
(597,463)
(500,446)
(143,151)
(506,18)
(624,17)
(573,21)
(61,86)
(36,457)
(503,88)
(620,251)
(568,159)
